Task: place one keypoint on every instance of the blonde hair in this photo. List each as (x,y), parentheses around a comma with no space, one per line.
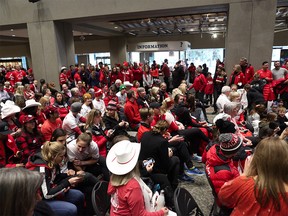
(233,95)
(270,165)
(166,104)
(20,90)
(116,116)
(18,188)
(175,92)
(183,88)
(43,101)
(160,127)
(154,91)
(90,118)
(50,151)
(119,180)
(237,67)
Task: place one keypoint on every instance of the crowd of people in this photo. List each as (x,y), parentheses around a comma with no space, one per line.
(82,134)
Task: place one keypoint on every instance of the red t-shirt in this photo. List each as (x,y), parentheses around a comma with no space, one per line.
(48,127)
(239,194)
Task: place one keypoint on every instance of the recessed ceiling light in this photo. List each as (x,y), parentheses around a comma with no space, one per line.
(12,29)
(13,35)
(90,34)
(115,27)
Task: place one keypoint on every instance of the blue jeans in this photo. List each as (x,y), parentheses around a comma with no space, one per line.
(68,207)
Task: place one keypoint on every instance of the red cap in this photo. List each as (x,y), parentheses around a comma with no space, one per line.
(125,64)
(112,105)
(26,118)
(50,109)
(98,93)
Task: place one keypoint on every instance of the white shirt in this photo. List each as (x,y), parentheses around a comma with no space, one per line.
(147,80)
(100,105)
(69,123)
(85,110)
(121,98)
(91,152)
(4,95)
(221,101)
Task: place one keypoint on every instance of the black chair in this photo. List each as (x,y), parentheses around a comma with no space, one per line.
(100,198)
(185,205)
(216,210)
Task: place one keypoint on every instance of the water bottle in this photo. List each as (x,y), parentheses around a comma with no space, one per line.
(160,201)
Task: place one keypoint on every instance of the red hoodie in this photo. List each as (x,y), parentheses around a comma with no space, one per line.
(219,168)
(131,110)
(128,200)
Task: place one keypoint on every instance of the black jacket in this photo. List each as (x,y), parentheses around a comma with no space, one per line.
(155,146)
(51,187)
(112,123)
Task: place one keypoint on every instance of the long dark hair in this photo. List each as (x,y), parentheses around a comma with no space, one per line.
(58,132)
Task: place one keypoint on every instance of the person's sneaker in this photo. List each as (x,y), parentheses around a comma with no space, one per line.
(197,158)
(184,177)
(193,172)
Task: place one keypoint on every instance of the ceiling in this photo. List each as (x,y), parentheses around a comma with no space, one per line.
(199,21)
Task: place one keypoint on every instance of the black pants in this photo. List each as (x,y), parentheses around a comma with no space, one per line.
(181,151)
(194,136)
(166,80)
(159,178)
(200,96)
(215,95)
(99,168)
(173,171)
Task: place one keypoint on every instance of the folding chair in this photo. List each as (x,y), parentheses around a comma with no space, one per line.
(185,205)
(100,198)
(216,210)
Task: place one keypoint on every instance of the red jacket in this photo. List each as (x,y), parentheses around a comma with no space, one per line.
(77,78)
(9,77)
(131,110)
(142,129)
(200,83)
(209,89)
(99,136)
(126,75)
(128,200)
(137,73)
(239,78)
(63,78)
(249,73)
(113,77)
(11,160)
(19,75)
(9,90)
(109,98)
(268,92)
(219,168)
(166,70)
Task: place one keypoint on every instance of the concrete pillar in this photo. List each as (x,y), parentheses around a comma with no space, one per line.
(52,46)
(250,32)
(118,50)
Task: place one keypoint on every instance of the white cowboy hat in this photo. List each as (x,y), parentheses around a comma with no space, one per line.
(127,83)
(9,108)
(31,103)
(123,157)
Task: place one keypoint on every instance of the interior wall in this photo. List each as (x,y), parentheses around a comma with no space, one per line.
(281,38)
(93,46)
(14,50)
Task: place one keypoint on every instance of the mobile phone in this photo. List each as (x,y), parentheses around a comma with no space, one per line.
(148,161)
